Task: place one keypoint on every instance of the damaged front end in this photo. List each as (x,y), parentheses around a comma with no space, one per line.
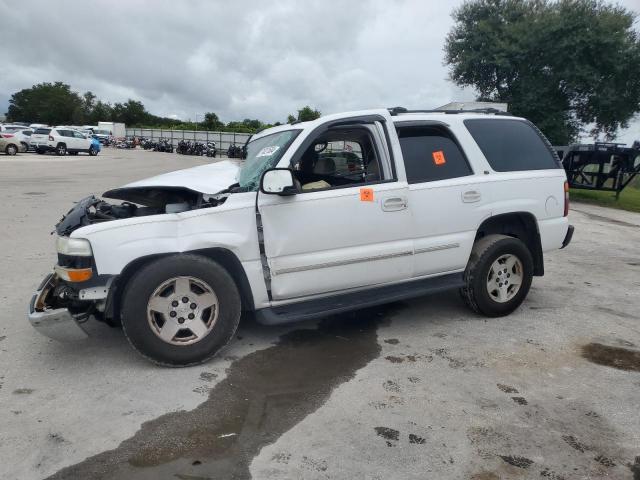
(58,311)
(76,291)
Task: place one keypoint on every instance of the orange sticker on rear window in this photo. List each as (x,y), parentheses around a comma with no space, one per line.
(438,157)
(366,194)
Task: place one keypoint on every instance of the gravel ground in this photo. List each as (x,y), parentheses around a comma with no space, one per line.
(420,389)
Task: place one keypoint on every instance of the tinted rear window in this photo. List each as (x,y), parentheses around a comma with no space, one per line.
(42,131)
(431,154)
(512,145)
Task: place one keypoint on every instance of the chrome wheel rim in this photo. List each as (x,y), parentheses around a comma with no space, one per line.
(505,278)
(182,310)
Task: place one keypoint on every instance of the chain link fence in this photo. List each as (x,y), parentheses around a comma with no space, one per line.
(223,139)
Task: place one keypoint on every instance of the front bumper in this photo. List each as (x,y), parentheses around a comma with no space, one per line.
(56,323)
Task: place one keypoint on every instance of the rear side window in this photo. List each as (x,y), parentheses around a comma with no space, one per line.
(430,153)
(512,145)
(42,131)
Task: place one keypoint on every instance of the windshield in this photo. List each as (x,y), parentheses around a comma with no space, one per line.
(262,154)
(102,132)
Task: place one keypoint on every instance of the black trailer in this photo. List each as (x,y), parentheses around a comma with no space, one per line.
(607,167)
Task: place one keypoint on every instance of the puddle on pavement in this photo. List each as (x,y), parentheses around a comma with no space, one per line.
(264,395)
(616,357)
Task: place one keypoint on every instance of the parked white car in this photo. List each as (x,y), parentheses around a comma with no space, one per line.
(61,140)
(343,212)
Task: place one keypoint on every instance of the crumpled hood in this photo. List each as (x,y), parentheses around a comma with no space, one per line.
(208,179)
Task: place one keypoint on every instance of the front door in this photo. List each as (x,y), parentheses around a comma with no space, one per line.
(348,227)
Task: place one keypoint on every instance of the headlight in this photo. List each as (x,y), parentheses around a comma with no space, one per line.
(78,247)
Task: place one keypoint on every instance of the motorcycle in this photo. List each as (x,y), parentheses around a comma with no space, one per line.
(235,151)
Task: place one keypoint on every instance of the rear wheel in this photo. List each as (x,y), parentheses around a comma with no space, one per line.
(11,150)
(25,146)
(180,310)
(61,149)
(498,275)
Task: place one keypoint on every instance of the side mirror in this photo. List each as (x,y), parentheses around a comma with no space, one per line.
(278,181)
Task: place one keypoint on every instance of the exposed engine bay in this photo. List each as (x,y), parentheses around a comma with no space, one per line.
(138,202)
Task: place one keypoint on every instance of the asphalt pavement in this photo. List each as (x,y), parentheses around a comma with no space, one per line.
(421,389)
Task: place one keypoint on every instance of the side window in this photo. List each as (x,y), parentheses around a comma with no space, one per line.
(339,157)
(430,154)
(78,135)
(512,145)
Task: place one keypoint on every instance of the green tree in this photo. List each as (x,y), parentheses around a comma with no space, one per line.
(132,112)
(566,65)
(101,112)
(306,114)
(212,122)
(291,119)
(50,103)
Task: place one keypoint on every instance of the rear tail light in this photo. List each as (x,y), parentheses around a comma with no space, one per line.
(7,135)
(566,198)
(50,138)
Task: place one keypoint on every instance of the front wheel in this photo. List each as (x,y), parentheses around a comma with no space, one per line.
(93,151)
(498,275)
(61,150)
(180,310)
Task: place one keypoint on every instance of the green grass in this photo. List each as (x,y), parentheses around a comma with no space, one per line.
(629,198)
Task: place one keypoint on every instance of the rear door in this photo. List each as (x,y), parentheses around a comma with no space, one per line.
(349,226)
(446,197)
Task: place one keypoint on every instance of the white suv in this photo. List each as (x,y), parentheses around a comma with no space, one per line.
(61,140)
(350,210)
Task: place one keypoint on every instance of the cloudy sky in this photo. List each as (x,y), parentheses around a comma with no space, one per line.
(239,59)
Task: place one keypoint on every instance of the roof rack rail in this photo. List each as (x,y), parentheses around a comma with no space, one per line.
(398,110)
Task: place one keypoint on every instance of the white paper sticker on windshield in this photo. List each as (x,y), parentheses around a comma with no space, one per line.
(268,151)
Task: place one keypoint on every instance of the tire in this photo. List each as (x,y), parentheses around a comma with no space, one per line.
(93,151)
(25,146)
(496,264)
(39,151)
(61,149)
(194,334)
(11,150)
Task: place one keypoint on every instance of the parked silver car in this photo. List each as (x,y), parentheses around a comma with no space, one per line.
(10,144)
(22,134)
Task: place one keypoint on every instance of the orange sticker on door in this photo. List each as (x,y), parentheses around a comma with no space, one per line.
(366,194)
(438,157)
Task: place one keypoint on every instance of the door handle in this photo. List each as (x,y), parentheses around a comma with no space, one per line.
(471,196)
(394,204)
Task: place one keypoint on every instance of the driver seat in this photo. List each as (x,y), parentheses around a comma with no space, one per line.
(325,166)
